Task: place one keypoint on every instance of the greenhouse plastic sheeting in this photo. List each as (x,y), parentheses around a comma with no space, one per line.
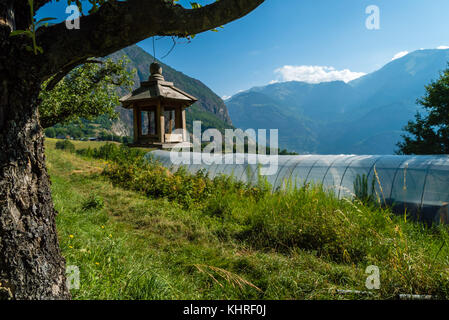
(418,185)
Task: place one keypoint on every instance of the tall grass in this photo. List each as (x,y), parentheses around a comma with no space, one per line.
(227,233)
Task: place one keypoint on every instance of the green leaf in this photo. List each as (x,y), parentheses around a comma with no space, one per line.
(195,5)
(15,33)
(216,30)
(45,19)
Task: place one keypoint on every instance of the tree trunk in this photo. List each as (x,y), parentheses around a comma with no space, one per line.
(31,265)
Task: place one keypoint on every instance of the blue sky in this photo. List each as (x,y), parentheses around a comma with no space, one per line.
(310,40)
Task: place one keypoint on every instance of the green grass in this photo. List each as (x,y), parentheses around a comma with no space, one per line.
(131,242)
(51,143)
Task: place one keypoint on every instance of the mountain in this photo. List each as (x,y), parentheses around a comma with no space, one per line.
(210,108)
(364,116)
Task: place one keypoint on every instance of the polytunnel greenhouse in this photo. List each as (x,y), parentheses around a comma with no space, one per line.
(418,185)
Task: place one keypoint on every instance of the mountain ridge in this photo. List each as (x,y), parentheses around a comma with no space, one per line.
(339,117)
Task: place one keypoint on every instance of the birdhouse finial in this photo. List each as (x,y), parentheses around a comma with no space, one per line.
(156,72)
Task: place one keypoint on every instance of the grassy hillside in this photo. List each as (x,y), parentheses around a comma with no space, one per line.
(101,128)
(156,235)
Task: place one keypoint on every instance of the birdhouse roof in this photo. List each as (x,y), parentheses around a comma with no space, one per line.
(156,88)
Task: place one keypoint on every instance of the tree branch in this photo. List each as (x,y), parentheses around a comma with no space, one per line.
(40,3)
(63,72)
(119,24)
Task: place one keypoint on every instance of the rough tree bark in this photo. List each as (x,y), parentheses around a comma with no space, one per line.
(31,265)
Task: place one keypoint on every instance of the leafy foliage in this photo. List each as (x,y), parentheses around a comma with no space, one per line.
(86,92)
(31,32)
(99,129)
(429,133)
(65,145)
(128,169)
(94,202)
(115,153)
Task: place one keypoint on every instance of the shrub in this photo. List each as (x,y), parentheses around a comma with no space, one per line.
(50,132)
(65,145)
(129,168)
(114,152)
(94,202)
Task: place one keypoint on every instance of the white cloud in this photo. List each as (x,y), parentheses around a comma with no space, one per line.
(225,97)
(443,47)
(399,55)
(315,74)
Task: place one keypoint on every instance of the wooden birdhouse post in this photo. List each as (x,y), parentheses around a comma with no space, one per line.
(158,110)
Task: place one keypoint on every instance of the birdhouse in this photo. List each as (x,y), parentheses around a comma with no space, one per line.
(158,112)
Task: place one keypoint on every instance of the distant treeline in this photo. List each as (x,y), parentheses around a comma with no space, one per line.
(98,129)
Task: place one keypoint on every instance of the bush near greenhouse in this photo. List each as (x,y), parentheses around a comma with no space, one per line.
(65,145)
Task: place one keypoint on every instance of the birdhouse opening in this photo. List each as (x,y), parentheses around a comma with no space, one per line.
(148,122)
(158,111)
